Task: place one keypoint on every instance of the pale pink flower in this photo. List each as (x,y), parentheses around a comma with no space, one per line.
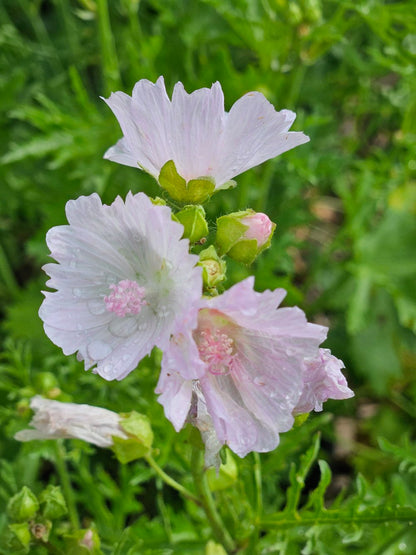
(322,380)
(124,277)
(54,420)
(246,360)
(260,227)
(196,133)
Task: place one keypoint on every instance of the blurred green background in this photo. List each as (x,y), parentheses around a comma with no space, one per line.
(344,204)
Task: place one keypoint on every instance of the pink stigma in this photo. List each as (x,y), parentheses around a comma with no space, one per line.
(216,350)
(127,297)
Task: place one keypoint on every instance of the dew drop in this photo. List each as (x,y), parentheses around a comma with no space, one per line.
(76,292)
(258,381)
(97,350)
(96,307)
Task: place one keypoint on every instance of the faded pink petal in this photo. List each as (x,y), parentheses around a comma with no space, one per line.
(53,420)
(323,380)
(196,133)
(123,281)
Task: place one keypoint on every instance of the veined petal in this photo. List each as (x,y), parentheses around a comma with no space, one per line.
(195,132)
(254,132)
(124,278)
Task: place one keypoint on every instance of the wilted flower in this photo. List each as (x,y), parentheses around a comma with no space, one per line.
(322,380)
(53,420)
(124,277)
(247,361)
(195,132)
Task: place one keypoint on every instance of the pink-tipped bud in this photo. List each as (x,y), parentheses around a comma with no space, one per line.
(244,235)
(260,227)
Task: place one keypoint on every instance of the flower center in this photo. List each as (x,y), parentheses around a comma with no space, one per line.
(216,350)
(127,297)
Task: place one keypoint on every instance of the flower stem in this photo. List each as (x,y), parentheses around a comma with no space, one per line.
(170,481)
(207,501)
(66,484)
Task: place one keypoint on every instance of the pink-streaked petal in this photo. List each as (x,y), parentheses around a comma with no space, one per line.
(175,397)
(234,424)
(196,133)
(121,154)
(197,122)
(254,132)
(105,246)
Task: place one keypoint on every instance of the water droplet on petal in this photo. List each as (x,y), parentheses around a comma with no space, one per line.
(123,327)
(258,381)
(96,307)
(97,350)
(76,292)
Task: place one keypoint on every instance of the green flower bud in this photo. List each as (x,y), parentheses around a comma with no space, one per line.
(54,505)
(213,548)
(140,437)
(20,537)
(213,267)
(195,191)
(23,506)
(244,235)
(192,218)
(157,201)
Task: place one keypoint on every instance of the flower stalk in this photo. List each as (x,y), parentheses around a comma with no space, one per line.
(201,485)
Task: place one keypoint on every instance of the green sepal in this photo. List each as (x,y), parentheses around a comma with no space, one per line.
(196,191)
(213,267)
(54,505)
(244,251)
(300,419)
(192,218)
(140,439)
(230,230)
(157,201)
(225,477)
(21,536)
(23,506)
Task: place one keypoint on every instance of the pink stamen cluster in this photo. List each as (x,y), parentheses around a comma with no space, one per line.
(127,297)
(216,350)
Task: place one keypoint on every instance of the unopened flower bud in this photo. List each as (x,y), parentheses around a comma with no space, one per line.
(213,267)
(193,220)
(23,506)
(54,505)
(244,235)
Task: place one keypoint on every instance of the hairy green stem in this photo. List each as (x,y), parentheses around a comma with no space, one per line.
(170,481)
(201,485)
(66,484)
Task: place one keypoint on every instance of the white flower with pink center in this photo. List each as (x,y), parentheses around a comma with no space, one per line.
(243,362)
(124,278)
(53,420)
(196,133)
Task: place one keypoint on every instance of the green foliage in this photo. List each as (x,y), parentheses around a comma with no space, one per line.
(344,250)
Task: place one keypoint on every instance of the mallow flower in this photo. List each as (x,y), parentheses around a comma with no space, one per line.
(196,134)
(248,367)
(53,420)
(123,278)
